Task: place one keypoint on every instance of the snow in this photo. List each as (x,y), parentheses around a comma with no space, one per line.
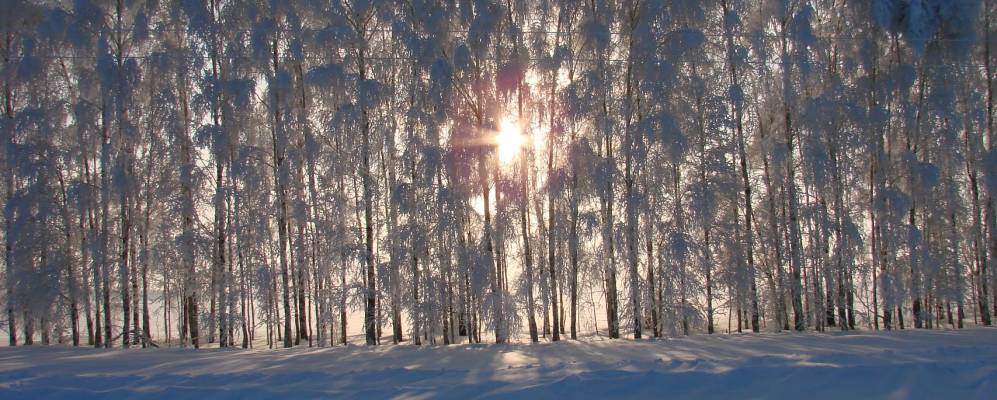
(900,364)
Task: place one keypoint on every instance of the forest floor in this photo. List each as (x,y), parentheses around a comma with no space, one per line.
(904,364)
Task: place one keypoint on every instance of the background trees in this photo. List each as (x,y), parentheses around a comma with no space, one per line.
(231,169)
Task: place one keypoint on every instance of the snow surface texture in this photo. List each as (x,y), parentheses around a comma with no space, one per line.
(907,364)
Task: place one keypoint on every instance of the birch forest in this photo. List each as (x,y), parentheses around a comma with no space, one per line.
(266,173)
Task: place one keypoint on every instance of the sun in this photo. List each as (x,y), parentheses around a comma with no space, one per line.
(509,140)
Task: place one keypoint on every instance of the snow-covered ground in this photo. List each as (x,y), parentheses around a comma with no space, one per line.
(907,364)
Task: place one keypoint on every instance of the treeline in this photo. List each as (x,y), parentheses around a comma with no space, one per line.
(184,172)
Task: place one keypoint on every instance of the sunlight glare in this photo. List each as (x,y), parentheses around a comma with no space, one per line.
(509,140)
